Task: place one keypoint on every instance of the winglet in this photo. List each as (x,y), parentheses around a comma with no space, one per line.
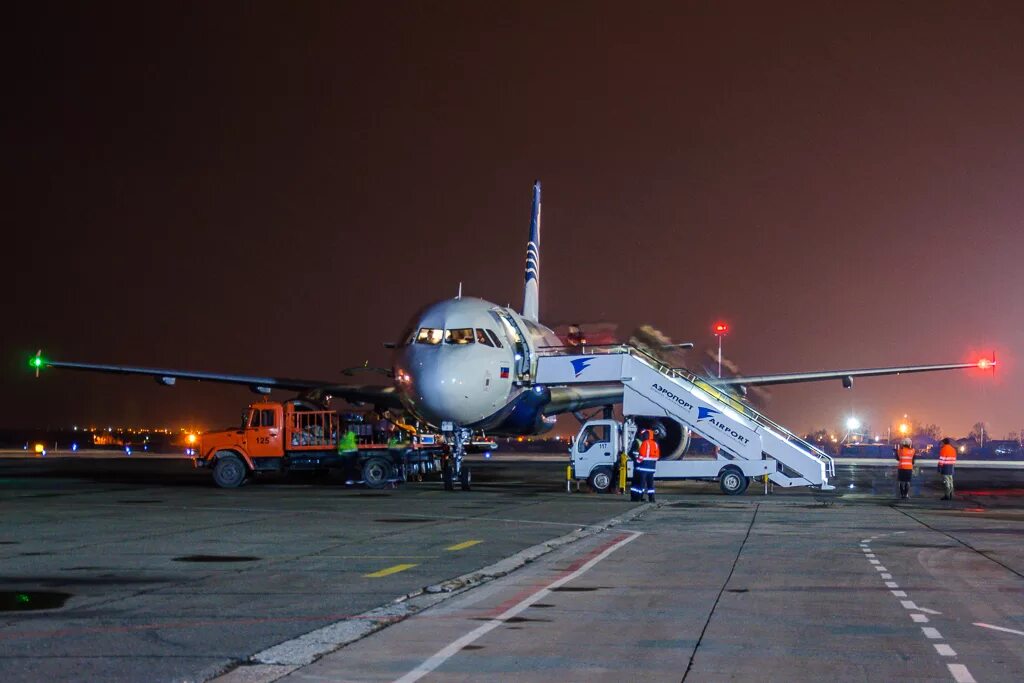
(531,293)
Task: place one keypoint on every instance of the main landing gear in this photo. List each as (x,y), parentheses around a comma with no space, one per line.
(453,469)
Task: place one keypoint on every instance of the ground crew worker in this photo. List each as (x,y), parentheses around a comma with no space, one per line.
(643,470)
(905,457)
(947,461)
(347,443)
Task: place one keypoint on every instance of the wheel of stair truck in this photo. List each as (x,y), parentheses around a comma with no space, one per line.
(732,481)
(229,472)
(465,478)
(601,480)
(376,472)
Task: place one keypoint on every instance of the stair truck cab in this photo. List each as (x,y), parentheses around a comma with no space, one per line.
(299,435)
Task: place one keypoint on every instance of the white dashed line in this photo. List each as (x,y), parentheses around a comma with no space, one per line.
(960,673)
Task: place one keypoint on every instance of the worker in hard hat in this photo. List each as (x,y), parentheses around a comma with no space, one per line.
(947,463)
(643,470)
(905,455)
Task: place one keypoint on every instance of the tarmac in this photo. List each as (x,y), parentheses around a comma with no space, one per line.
(166,578)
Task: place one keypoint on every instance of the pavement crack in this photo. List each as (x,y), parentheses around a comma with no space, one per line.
(721,591)
(961,542)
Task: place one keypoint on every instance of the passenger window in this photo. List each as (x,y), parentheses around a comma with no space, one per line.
(429,335)
(482,338)
(494,338)
(268,418)
(459,336)
(254,418)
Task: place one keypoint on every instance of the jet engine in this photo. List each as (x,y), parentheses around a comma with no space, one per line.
(673,438)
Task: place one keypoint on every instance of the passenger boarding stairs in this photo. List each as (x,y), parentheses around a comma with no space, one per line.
(652,388)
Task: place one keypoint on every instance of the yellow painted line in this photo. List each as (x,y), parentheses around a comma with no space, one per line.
(389,571)
(463,545)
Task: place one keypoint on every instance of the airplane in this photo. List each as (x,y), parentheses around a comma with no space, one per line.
(466,365)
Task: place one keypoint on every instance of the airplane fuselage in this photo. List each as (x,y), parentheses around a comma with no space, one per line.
(470,362)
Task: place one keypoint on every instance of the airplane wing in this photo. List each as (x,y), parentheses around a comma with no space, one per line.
(846,376)
(381,396)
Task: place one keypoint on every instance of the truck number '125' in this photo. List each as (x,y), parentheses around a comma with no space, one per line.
(263,440)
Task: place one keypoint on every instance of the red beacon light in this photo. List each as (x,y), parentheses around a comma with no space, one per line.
(721,328)
(988,363)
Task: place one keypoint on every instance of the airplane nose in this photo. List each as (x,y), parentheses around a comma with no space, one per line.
(440,389)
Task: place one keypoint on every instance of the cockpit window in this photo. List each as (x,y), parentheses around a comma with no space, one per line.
(462,335)
(494,338)
(429,335)
(482,338)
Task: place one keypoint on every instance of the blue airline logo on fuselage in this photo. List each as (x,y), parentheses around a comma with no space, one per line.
(580,364)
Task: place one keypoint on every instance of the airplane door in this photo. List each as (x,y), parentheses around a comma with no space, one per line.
(519,345)
(264,434)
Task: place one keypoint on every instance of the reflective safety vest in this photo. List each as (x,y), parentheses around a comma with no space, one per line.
(347,442)
(906,457)
(649,450)
(947,455)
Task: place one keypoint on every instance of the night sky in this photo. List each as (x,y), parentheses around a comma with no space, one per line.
(275,188)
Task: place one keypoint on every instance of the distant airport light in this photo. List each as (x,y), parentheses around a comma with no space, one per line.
(963,449)
(39,448)
(74,447)
(191,438)
(852,423)
(720,329)
(904,428)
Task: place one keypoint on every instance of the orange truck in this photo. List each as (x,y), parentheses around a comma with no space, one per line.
(281,437)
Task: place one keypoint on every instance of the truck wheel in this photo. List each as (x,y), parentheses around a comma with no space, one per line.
(229,472)
(601,479)
(465,478)
(376,472)
(731,481)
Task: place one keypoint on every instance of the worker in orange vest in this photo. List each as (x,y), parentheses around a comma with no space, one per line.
(905,457)
(947,462)
(643,470)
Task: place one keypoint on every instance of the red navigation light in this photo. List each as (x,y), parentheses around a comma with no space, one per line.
(721,328)
(983,363)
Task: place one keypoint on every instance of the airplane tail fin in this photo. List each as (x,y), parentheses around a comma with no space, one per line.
(531,293)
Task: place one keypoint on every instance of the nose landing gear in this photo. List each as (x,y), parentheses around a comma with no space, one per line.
(453,469)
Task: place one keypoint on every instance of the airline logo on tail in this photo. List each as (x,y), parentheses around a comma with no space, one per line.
(531,292)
